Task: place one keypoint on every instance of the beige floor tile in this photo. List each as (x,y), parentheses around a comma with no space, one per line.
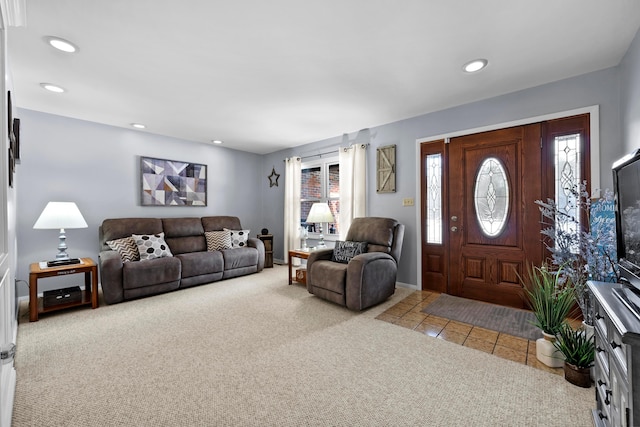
(429,329)
(459,327)
(484,334)
(437,320)
(399,309)
(451,336)
(479,344)
(419,317)
(510,354)
(515,343)
(407,323)
(387,317)
(414,298)
(533,362)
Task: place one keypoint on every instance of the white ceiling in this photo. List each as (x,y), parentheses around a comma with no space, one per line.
(267,75)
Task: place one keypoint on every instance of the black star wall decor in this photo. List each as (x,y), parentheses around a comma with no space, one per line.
(273,178)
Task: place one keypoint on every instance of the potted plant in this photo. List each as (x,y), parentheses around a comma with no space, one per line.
(580,241)
(551,299)
(578,349)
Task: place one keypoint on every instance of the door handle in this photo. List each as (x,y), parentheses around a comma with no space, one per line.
(454,228)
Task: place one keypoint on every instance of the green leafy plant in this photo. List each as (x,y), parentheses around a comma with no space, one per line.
(578,349)
(550,297)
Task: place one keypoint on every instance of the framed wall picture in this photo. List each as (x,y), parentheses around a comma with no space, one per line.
(386,169)
(172,183)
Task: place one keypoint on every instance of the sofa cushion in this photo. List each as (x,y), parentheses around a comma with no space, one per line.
(238,238)
(126,247)
(329,275)
(218,223)
(344,251)
(377,232)
(201,263)
(152,246)
(239,257)
(217,240)
(151,272)
(112,229)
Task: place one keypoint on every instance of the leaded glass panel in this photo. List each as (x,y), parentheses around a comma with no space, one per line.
(434,198)
(491,196)
(567,154)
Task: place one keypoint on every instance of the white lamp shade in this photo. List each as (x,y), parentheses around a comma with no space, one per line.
(58,215)
(320,212)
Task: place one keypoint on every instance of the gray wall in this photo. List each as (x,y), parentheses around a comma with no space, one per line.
(97,166)
(630,95)
(598,88)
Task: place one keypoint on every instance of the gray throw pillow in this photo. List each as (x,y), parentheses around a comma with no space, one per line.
(344,251)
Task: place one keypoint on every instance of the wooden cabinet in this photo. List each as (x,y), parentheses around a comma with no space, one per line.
(617,361)
(267,239)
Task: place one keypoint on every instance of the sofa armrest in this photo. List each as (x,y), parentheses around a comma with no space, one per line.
(371,279)
(111,276)
(317,255)
(253,242)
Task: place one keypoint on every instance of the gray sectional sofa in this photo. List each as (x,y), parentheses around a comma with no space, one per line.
(189,263)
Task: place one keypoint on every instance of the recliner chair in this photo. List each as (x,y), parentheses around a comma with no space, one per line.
(368,278)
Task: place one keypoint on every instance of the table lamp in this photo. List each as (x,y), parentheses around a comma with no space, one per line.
(320,213)
(61,215)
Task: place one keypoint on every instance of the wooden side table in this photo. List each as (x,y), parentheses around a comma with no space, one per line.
(267,239)
(296,253)
(89,295)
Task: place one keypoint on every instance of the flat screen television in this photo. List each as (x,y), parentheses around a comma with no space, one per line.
(626,182)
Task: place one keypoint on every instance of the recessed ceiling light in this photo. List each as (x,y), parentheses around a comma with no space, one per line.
(138,125)
(61,44)
(52,88)
(217,141)
(475,65)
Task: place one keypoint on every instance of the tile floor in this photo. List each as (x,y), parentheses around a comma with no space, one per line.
(408,313)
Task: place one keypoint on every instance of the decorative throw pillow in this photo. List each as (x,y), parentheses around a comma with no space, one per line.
(238,238)
(218,240)
(126,247)
(151,246)
(344,251)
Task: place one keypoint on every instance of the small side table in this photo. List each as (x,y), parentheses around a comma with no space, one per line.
(267,239)
(89,295)
(296,253)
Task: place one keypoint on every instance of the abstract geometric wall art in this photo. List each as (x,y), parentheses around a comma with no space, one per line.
(173,183)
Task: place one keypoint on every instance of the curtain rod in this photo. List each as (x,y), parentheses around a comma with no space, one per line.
(337,150)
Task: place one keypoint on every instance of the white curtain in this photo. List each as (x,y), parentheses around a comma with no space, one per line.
(353,185)
(292,182)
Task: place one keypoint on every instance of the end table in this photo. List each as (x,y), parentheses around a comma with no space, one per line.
(89,294)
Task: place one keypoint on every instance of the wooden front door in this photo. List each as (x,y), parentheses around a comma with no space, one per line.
(490,222)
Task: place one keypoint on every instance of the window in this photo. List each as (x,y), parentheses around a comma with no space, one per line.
(320,183)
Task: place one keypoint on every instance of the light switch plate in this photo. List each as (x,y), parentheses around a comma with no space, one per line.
(408,201)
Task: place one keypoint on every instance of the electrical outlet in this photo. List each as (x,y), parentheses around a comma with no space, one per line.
(407,201)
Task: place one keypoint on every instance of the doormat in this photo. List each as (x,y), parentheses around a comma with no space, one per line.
(509,320)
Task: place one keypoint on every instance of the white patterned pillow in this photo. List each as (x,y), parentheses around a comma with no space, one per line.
(238,238)
(151,246)
(218,240)
(126,247)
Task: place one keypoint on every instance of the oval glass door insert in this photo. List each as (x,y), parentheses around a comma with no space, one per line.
(491,196)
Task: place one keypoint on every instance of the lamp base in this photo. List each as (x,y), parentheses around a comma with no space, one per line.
(60,262)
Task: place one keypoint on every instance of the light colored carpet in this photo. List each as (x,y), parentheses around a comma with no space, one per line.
(255,351)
